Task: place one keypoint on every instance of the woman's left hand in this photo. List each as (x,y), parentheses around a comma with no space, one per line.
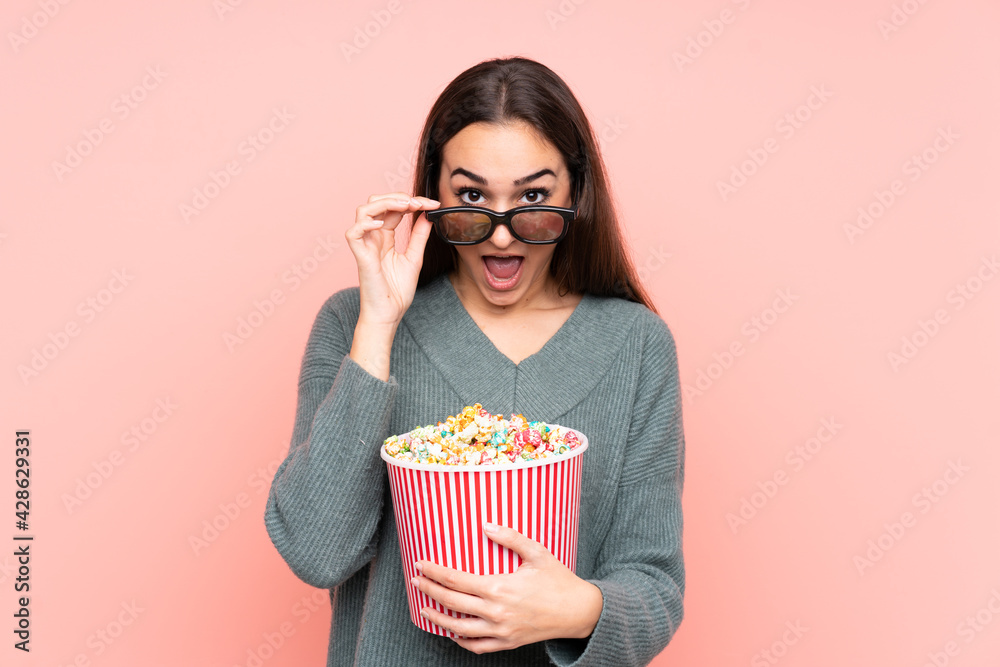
(542,600)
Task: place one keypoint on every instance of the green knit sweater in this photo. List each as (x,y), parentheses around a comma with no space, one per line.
(610,372)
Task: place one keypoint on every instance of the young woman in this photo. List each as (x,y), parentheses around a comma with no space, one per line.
(521,298)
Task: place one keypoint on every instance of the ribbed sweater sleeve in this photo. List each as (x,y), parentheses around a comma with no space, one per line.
(325,502)
(641,571)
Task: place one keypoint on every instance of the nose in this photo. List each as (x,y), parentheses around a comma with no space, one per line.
(501,237)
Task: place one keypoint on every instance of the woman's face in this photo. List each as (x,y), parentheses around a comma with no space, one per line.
(500,167)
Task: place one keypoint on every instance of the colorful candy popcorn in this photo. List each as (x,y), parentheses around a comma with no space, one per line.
(475,437)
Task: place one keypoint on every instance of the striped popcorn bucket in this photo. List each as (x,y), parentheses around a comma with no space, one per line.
(440,511)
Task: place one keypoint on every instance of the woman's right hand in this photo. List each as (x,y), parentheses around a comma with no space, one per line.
(388,279)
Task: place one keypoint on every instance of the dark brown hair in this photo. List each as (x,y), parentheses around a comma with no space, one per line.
(592,257)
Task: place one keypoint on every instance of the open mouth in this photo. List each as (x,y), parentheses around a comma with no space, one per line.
(502,271)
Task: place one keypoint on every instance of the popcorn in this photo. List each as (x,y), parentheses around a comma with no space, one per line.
(474,437)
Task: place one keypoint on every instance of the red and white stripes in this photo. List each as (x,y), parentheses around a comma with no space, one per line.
(440,511)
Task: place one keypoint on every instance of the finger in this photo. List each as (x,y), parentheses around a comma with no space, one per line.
(392,208)
(397,202)
(482,645)
(469,626)
(358,229)
(388,195)
(402,196)
(391,211)
(528,549)
(456,580)
(452,599)
(419,233)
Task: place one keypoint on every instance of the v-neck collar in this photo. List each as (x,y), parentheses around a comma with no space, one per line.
(544,385)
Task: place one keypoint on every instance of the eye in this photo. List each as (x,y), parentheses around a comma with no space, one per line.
(470,196)
(536,196)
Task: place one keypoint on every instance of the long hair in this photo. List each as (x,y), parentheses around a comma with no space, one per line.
(592,257)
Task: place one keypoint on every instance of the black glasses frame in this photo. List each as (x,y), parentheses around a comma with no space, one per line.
(505,218)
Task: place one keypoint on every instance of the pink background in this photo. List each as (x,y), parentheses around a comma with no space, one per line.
(334,128)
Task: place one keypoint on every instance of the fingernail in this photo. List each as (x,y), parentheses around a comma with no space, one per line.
(413,582)
(404,202)
(418,568)
(423,614)
(414,201)
(377,223)
(490,527)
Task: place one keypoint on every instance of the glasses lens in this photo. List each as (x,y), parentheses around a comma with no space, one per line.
(538,225)
(464,226)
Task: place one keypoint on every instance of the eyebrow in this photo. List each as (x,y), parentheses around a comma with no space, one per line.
(482,181)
